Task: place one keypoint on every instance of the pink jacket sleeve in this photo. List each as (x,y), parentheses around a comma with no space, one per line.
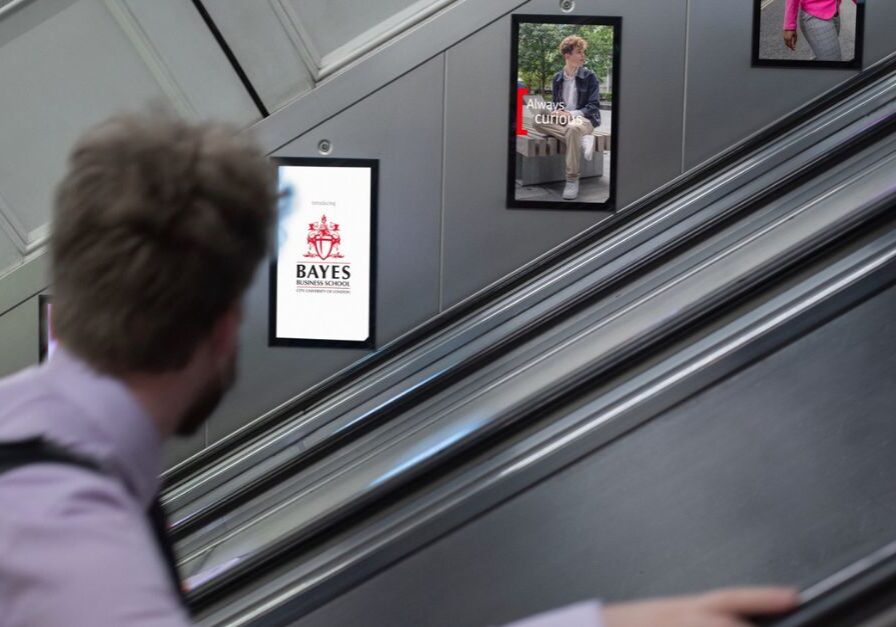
(791,9)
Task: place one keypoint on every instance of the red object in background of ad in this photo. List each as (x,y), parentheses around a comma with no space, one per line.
(521,90)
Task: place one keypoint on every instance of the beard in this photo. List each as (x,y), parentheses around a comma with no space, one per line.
(207,400)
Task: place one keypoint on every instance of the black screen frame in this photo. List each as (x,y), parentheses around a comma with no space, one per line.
(608,205)
(854,64)
(370,341)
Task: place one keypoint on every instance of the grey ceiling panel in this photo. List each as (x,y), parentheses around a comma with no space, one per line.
(264,42)
(331,24)
(65,66)
(337,32)
(10,255)
(48,100)
(188,52)
(286,46)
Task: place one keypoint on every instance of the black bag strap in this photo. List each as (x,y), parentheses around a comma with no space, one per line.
(33,450)
(38,450)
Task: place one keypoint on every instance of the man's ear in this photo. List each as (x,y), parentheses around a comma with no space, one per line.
(226,330)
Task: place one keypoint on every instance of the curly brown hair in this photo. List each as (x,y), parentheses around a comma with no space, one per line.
(573,42)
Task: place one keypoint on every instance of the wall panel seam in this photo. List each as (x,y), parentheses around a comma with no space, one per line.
(22,301)
(299,37)
(442,182)
(334,61)
(150,56)
(13,228)
(684,91)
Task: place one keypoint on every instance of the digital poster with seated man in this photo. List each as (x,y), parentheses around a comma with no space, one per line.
(561,153)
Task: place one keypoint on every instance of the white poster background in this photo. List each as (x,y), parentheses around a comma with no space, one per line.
(342,194)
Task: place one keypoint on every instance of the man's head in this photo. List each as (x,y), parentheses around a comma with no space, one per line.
(573,50)
(158,228)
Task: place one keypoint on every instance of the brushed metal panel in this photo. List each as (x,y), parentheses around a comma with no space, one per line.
(19,337)
(483,241)
(401,126)
(880,21)
(48,100)
(727,100)
(781,473)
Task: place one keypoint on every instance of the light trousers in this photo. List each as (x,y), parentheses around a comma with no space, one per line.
(571,135)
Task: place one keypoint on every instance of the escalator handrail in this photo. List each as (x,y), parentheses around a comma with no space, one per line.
(849,596)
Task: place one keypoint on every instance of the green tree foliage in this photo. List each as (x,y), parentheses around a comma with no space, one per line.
(539,55)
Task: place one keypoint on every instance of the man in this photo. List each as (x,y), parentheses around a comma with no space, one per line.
(158,228)
(575,111)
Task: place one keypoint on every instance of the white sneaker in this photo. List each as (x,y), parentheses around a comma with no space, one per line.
(588,146)
(571,190)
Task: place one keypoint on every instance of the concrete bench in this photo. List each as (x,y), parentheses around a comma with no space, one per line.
(542,159)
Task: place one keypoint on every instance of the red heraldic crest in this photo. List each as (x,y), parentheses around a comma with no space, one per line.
(323,240)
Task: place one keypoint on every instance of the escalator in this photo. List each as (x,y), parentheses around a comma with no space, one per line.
(654,409)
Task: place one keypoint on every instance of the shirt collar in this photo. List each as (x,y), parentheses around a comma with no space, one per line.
(121,434)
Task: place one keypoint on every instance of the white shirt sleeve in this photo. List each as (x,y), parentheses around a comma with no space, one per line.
(585,614)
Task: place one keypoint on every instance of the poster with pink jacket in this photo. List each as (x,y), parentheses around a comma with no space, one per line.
(808,33)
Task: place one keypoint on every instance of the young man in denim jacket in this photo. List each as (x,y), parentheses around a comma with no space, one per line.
(575,111)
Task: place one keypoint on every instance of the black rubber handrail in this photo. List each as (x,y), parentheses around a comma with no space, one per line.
(512,281)
(857,594)
(389,410)
(516,419)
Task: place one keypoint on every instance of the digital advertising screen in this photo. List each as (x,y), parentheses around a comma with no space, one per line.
(817,34)
(564,112)
(323,272)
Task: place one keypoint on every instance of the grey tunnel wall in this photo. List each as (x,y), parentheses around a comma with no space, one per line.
(686,92)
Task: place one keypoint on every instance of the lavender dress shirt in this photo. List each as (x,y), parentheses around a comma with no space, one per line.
(76,545)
